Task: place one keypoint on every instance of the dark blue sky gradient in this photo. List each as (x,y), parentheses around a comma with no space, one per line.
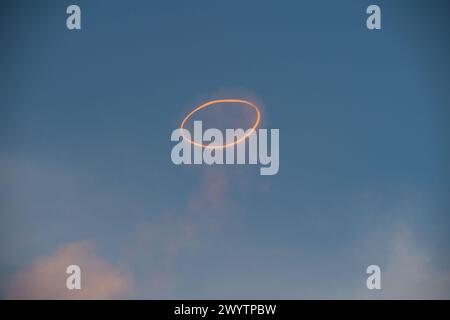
(86,118)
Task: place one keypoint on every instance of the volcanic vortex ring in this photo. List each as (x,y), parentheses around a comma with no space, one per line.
(214,102)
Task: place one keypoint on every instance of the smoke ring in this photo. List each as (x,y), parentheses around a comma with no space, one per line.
(214,102)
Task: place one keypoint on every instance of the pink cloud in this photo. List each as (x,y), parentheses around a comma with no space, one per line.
(46,277)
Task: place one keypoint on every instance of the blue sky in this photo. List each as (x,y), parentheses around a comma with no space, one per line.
(86,118)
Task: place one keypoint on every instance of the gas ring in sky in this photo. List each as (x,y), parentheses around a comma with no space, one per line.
(251,145)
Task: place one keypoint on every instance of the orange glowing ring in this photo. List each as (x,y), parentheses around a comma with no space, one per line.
(213,102)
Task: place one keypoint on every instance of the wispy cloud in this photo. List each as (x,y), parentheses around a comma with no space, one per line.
(410,271)
(46,277)
(159,243)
